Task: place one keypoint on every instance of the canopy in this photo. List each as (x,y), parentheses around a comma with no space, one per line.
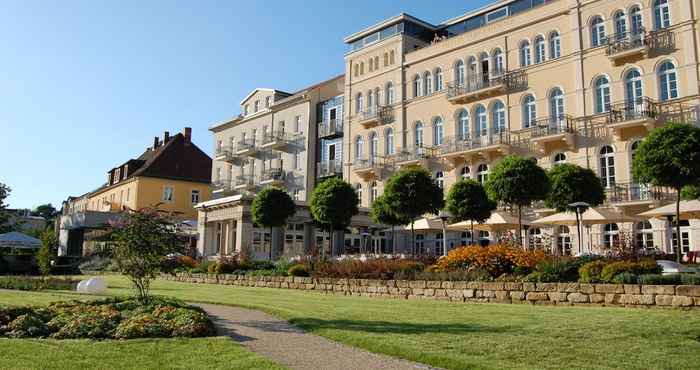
(16,239)
(688,209)
(591,216)
(425,224)
(498,221)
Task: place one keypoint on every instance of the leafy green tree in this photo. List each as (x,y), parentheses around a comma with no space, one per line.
(670,156)
(4,217)
(46,251)
(47,211)
(690,192)
(271,208)
(333,203)
(467,201)
(517,181)
(570,184)
(140,241)
(383,213)
(413,193)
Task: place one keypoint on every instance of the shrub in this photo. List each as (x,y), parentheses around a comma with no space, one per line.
(555,269)
(27,326)
(298,270)
(283,265)
(690,279)
(496,259)
(380,268)
(187,262)
(646,266)
(142,325)
(85,322)
(33,283)
(626,278)
(590,272)
(463,275)
(658,279)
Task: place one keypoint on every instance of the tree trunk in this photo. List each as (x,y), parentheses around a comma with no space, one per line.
(679,243)
(270,243)
(471,239)
(413,241)
(520,226)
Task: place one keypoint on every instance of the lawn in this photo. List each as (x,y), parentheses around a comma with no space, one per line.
(459,336)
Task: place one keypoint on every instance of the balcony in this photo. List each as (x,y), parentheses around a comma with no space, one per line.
(276,140)
(375,116)
(222,187)
(245,182)
(479,87)
(226,154)
(632,194)
(632,116)
(330,129)
(413,156)
(634,45)
(273,177)
(371,168)
(552,132)
(329,168)
(246,148)
(486,146)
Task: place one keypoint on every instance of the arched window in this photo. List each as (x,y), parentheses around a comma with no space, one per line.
(459,73)
(540,49)
(554,45)
(597,32)
(668,81)
(373,192)
(377,97)
(564,240)
(498,67)
(482,173)
(359,147)
(418,134)
(633,88)
(370,101)
(358,190)
(556,104)
(636,20)
(438,131)
(525,56)
(602,94)
(373,146)
(464,173)
(358,103)
(611,235)
(471,70)
(607,166)
(463,124)
(389,141)
(559,158)
(417,86)
(428,79)
(498,116)
(529,111)
(440,179)
(620,25)
(439,83)
(482,125)
(485,67)
(662,14)
(644,235)
(389,93)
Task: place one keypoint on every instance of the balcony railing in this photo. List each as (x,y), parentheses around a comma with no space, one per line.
(368,163)
(639,109)
(633,192)
(473,85)
(377,115)
(661,40)
(458,144)
(272,175)
(246,146)
(329,168)
(415,153)
(226,154)
(222,186)
(550,126)
(330,129)
(245,181)
(621,43)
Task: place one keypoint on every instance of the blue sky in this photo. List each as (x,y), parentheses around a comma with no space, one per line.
(85,85)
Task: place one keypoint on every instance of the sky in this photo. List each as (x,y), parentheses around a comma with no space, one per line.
(86,85)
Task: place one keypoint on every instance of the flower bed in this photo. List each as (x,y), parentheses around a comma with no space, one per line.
(113,318)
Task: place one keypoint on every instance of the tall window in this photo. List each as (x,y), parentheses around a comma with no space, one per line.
(373,192)
(438,131)
(463,122)
(370,100)
(529,111)
(611,235)
(633,88)
(554,45)
(539,49)
(440,179)
(464,173)
(389,141)
(636,20)
(525,56)
(194,196)
(597,32)
(418,134)
(459,73)
(417,86)
(498,67)
(168,194)
(564,240)
(556,104)
(428,83)
(358,190)
(498,116)
(471,70)
(602,94)
(389,93)
(438,80)
(644,235)
(373,146)
(359,147)
(662,14)
(482,173)
(482,125)
(668,81)
(607,166)
(358,103)
(620,24)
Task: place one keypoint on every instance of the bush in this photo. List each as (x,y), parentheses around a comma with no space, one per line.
(473,275)
(298,270)
(380,268)
(658,279)
(34,283)
(27,326)
(690,279)
(495,259)
(647,266)
(590,272)
(626,278)
(85,322)
(555,269)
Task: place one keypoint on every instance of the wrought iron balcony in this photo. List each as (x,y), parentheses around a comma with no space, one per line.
(245,182)
(329,168)
(635,44)
(222,186)
(246,147)
(550,126)
(277,140)
(631,192)
(478,87)
(330,129)
(413,155)
(642,112)
(273,176)
(369,167)
(376,115)
(460,146)
(227,154)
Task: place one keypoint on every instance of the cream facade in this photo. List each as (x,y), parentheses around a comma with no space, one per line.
(570,81)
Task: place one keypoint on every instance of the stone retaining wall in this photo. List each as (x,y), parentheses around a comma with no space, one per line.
(687,296)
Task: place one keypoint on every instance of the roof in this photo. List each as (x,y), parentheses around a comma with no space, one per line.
(385,23)
(16,239)
(263,89)
(477,11)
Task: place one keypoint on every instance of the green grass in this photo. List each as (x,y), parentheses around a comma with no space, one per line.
(459,336)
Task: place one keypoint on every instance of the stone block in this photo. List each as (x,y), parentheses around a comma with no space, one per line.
(473,285)
(586,288)
(596,298)
(536,296)
(636,299)
(682,301)
(502,295)
(459,285)
(495,285)
(447,285)
(557,296)
(420,284)
(632,289)
(546,287)
(468,293)
(580,298)
(485,294)
(529,287)
(433,284)
(612,298)
(454,293)
(663,300)
(659,289)
(688,290)
(513,286)
(402,284)
(441,292)
(417,291)
(609,288)
(567,287)
(429,292)
(517,295)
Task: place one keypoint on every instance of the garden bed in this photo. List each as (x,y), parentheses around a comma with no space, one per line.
(37,283)
(113,318)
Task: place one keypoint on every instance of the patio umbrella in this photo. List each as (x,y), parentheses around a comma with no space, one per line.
(425,224)
(498,221)
(688,209)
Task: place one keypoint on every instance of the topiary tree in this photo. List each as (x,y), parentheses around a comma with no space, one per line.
(670,156)
(412,193)
(518,182)
(570,184)
(140,241)
(383,213)
(468,201)
(333,203)
(271,208)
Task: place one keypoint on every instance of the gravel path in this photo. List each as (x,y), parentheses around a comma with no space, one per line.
(290,346)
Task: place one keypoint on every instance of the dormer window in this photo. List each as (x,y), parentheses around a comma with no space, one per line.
(246,110)
(126,171)
(268,102)
(117,175)
(256,106)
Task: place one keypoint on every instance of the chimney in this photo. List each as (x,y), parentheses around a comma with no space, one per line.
(166,137)
(156,142)
(187,132)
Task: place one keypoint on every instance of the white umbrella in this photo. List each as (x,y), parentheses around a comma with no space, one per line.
(498,221)
(592,216)
(425,224)
(688,209)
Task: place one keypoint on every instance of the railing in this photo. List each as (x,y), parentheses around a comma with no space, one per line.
(245,145)
(415,153)
(330,128)
(640,108)
(679,112)
(621,42)
(329,168)
(634,192)
(273,174)
(461,144)
(509,80)
(275,136)
(661,40)
(244,180)
(368,163)
(223,151)
(222,185)
(383,114)
(562,124)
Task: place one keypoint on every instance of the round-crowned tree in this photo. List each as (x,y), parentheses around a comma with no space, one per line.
(271,208)
(467,201)
(670,156)
(517,181)
(383,213)
(333,203)
(411,194)
(570,184)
